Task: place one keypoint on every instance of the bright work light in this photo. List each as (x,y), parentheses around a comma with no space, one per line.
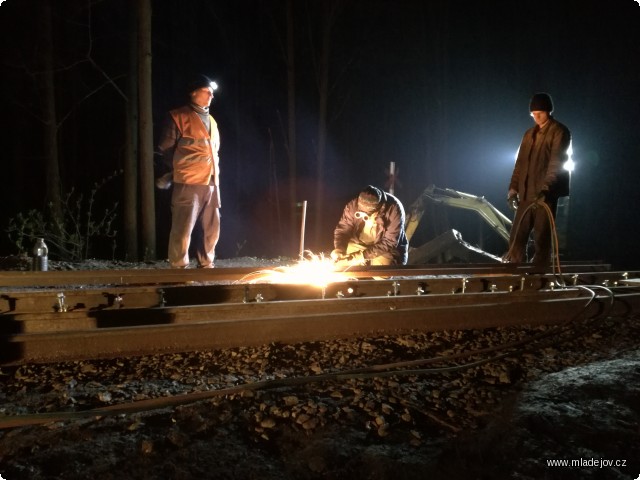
(569,165)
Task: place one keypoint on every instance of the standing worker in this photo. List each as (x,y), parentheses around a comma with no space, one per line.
(538,179)
(371,231)
(189,145)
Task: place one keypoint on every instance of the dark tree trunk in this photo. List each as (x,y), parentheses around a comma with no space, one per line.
(323,101)
(52,166)
(291,118)
(131,147)
(145,131)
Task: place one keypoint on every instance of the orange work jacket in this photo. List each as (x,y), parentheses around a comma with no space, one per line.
(195,159)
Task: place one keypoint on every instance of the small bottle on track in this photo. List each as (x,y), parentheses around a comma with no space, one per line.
(40,256)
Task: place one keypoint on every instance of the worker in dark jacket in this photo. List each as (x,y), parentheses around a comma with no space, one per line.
(538,177)
(371,231)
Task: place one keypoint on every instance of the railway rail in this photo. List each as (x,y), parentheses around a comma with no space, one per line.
(69,315)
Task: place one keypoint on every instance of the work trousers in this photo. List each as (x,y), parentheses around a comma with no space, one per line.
(527,220)
(194,207)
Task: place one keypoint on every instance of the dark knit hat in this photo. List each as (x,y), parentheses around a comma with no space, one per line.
(369,199)
(200,81)
(541,102)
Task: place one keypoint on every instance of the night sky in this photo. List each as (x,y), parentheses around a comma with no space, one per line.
(441,88)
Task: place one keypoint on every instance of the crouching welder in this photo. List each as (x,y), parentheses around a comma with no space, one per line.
(371,231)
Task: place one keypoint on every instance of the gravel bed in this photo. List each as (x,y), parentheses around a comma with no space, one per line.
(311,410)
(480,404)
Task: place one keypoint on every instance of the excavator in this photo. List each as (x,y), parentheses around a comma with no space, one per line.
(449,246)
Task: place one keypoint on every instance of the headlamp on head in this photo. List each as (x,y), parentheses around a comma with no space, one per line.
(201,81)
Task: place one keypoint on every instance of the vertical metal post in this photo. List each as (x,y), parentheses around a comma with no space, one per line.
(302,228)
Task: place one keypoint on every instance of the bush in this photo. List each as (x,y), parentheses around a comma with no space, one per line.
(68,235)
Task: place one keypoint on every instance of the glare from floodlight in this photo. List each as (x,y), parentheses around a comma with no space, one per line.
(569,165)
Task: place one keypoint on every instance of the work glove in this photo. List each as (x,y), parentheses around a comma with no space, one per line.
(513,202)
(337,254)
(356,258)
(542,195)
(164,182)
(352,260)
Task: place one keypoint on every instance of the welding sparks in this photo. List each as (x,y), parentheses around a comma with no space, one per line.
(314,270)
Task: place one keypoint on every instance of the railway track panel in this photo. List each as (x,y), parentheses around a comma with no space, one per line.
(74,297)
(109,313)
(70,278)
(239,315)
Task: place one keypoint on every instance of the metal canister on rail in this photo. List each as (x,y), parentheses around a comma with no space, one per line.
(40,256)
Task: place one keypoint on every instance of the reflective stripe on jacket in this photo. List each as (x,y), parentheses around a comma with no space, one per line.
(195,159)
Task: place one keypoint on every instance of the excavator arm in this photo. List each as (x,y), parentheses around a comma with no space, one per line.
(446,196)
